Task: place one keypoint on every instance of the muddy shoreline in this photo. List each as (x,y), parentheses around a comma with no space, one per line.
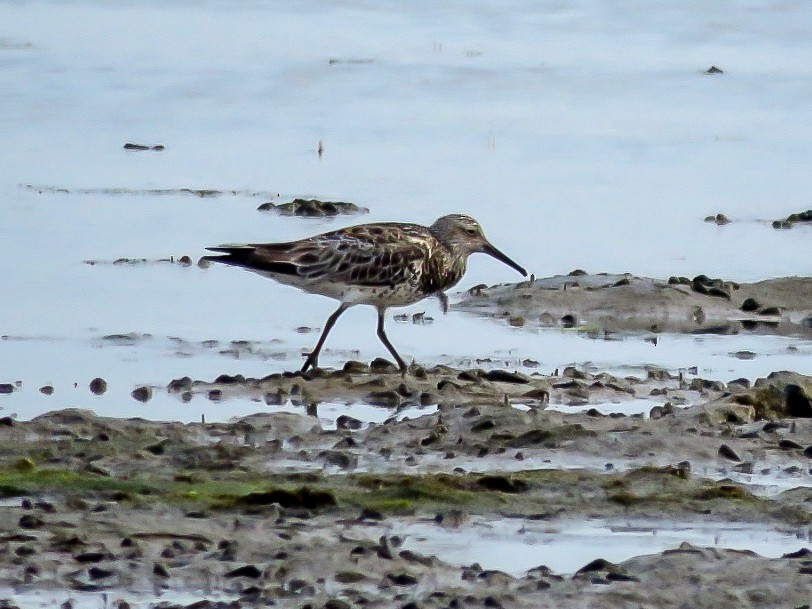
(274,508)
(625,303)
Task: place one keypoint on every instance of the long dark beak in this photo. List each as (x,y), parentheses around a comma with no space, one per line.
(492,251)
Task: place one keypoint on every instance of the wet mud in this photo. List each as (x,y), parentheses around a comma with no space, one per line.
(623,303)
(275,508)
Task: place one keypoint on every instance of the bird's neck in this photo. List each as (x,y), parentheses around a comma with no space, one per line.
(442,271)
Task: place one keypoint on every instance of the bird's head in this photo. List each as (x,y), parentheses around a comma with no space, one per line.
(463,235)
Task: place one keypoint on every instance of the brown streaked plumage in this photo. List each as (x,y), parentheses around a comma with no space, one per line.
(386,264)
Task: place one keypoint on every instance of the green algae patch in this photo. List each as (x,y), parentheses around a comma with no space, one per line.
(397,493)
(731,492)
(68,482)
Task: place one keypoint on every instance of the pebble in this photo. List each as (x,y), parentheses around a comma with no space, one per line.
(142,394)
(98,386)
(728,453)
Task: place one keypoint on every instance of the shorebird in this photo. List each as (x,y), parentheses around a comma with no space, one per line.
(385,264)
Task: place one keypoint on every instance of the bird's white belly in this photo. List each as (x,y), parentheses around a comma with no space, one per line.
(377,296)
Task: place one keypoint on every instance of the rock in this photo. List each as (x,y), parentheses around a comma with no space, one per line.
(599,564)
(796,401)
(179,385)
(142,394)
(46,390)
(140,147)
(228,379)
(728,453)
(160,570)
(347,422)
(382,366)
(714,70)
(503,376)
(402,579)
(313,208)
(98,386)
(92,557)
(803,217)
(720,219)
(6,388)
(702,284)
(245,571)
(30,521)
(355,367)
(483,424)
(749,305)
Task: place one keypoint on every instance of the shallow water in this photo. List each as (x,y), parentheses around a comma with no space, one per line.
(515,546)
(579,135)
(70,363)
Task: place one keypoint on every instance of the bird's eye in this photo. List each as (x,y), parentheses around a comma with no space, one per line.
(471,231)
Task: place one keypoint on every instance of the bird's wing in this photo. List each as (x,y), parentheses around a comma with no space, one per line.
(366,255)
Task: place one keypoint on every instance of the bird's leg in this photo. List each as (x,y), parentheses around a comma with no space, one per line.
(313,357)
(441,296)
(382,335)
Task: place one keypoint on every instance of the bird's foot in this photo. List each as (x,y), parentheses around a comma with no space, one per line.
(443,301)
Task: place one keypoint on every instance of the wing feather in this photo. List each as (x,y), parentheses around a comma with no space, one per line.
(367,255)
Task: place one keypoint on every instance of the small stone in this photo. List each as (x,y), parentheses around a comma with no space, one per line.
(142,394)
(749,305)
(504,376)
(98,386)
(714,70)
(181,384)
(245,571)
(347,422)
(402,579)
(728,453)
(30,521)
(46,389)
(382,366)
(160,570)
(132,146)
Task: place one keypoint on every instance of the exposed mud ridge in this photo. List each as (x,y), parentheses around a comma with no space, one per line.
(313,208)
(803,217)
(475,418)
(380,383)
(607,303)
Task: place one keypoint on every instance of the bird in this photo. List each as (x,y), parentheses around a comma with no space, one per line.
(383,264)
